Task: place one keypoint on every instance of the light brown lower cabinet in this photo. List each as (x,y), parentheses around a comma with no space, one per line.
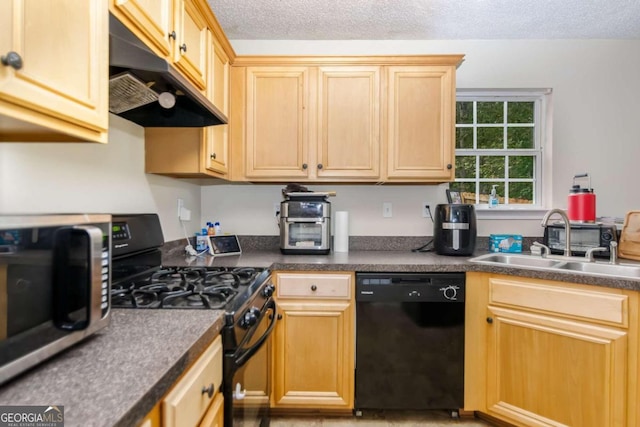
(311,361)
(189,403)
(548,353)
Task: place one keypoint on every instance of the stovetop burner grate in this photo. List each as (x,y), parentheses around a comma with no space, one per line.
(183,287)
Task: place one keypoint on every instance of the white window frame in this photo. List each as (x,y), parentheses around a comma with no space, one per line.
(542,137)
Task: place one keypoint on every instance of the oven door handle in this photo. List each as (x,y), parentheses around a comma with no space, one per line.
(247,354)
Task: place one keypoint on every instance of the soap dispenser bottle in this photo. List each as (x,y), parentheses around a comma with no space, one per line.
(493,197)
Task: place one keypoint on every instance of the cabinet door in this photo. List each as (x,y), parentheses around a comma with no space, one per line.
(189,399)
(150,20)
(217,137)
(313,355)
(190,50)
(421,127)
(62,82)
(214,417)
(277,126)
(348,143)
(549,371)
(255,375)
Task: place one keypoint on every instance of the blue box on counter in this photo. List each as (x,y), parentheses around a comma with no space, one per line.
(505,243)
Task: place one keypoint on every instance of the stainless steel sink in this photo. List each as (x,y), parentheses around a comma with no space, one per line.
(561,264)
(518,260)
(621,270)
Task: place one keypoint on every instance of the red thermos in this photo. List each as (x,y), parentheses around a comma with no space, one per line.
(581,205)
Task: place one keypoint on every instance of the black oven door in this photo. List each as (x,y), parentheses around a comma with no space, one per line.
(246,379)
(53,290)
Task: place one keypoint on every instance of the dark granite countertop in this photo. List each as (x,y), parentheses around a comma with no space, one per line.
(118,375)
(387,261)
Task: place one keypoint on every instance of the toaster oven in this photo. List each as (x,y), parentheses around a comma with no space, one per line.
(305,226)
(584,236)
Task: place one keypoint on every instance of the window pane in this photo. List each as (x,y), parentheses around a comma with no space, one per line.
(464,138)
(490,138)
(485,191)
(492,167)
(521,166)
(465,166)
(521,192)
(520,137)
(520,112)
(490,112)
(464,112)
(467,191)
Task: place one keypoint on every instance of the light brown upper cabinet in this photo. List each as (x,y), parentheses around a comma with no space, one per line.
(348,123)
(277,122)
(217,137)
(54,70)
(196,152)
(173,29)
(337,119)
(420,123)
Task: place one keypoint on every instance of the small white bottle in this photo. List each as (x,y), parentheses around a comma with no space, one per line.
(493,197)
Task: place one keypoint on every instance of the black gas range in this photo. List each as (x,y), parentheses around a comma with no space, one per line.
(244,294)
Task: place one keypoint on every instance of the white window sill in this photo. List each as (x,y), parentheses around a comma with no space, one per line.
(509,212)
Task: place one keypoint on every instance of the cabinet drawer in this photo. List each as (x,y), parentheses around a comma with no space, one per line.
(186,402)
(575,302)
(292,285)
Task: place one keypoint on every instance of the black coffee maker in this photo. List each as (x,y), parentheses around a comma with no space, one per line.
(454,229)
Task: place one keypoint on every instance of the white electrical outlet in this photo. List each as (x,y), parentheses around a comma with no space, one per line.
(180,206)
(185,214)
(276,209)
(426,213)
(387,211)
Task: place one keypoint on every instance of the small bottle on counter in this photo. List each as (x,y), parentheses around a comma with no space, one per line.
(217,228)
(493,197)
(211,231)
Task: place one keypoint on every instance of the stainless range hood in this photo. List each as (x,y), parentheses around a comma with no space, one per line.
(138,77)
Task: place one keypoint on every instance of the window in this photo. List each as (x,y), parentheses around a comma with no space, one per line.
(500,137)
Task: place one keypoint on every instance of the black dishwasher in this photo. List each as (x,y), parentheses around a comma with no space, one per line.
(409,341)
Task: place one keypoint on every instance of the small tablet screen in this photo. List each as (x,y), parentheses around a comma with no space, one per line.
(224,245)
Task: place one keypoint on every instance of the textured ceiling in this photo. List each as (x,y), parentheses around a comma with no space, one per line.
(427,19)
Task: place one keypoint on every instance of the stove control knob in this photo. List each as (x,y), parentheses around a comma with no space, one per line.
(250,318)
(268,290)
(450,292)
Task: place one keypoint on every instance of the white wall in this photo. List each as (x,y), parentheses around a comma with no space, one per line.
(596,97)
(83,177)
(596,104)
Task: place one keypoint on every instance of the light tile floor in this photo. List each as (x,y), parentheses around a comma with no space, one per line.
(422,419)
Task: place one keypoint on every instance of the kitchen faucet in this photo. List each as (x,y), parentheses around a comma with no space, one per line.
(567,228)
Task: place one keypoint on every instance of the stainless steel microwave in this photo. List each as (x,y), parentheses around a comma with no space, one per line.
(54,285)
(583,237)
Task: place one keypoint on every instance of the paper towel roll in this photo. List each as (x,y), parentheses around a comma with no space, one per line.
(341,232)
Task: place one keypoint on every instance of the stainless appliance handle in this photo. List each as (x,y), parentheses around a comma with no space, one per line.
(64,277)
(315,219)
(243,355)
